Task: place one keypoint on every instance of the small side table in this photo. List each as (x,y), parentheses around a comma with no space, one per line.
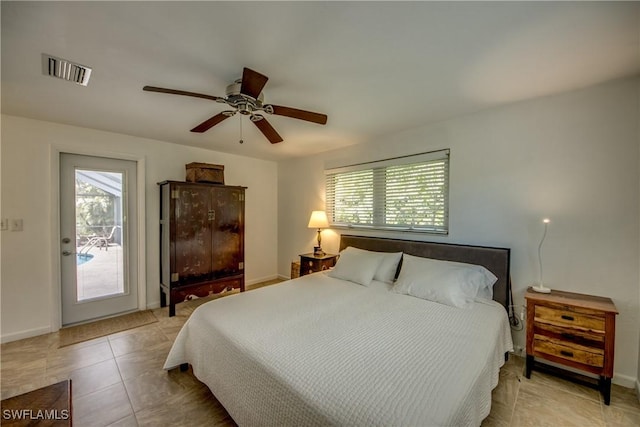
(574,330)
(310,263)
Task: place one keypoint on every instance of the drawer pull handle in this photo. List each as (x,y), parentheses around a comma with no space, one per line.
(568,336)
(565,317)
(566,353)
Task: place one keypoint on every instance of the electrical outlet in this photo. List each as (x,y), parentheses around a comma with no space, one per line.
(4,224)
(15,224)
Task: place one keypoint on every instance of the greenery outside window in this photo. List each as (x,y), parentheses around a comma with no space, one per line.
(408,193)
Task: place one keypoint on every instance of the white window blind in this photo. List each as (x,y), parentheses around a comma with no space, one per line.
(406,193)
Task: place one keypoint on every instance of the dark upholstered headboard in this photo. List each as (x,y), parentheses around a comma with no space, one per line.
(495,260)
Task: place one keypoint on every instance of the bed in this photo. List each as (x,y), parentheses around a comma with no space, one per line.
(320,350)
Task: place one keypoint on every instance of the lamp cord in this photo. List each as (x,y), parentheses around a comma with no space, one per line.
(515,322)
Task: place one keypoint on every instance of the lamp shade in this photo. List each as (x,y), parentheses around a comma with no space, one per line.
(318,220)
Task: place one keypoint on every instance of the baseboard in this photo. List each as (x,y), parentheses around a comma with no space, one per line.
(283,277)
(625,381)
(153,305)
(261,279)
(24,334)
(619,379)
(150,306)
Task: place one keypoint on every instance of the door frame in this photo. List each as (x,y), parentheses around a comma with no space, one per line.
(56,288)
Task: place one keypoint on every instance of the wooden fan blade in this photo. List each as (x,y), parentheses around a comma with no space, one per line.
(252,83)
(180,92)
(208,124)
(268,131)
(309,116)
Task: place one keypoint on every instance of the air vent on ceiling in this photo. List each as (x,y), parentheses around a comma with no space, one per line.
(67,70)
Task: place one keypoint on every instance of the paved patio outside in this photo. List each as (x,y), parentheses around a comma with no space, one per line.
(102,275)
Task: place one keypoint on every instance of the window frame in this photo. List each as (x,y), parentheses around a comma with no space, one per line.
(379,213)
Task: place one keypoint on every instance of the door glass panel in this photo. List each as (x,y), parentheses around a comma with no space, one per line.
(99,224)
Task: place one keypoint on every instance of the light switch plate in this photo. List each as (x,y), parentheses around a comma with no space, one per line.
(15,224)
(4,224)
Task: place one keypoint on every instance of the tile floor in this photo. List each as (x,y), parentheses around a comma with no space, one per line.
(546,400)
(118,381)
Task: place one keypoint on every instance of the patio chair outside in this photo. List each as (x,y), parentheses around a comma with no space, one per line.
(99,241)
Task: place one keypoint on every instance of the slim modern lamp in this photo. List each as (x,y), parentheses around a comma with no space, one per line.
(541,288)
(318,220)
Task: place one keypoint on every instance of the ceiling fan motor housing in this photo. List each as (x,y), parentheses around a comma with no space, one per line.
(233,93)
(243,103)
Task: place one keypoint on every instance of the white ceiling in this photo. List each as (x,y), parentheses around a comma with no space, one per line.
(373,67)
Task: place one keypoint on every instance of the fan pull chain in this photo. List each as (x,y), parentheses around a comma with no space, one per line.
(241,140)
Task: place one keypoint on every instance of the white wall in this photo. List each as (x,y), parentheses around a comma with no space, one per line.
(638,130)
(29,274)
(572,157)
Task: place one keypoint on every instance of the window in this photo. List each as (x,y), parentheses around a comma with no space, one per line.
(406,193)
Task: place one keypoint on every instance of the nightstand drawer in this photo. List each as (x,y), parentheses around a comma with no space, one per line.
(570,335)
(576,353)
(569,318)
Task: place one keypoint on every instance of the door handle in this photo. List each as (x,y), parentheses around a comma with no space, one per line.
(67,253)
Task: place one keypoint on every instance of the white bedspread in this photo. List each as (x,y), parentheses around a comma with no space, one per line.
(322,351)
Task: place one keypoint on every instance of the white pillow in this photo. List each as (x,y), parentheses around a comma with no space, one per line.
(386,271)
(379,286)
(486,292)
(356,265)
(451,283)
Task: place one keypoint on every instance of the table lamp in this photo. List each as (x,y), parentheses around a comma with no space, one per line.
(318,220)
(541,288)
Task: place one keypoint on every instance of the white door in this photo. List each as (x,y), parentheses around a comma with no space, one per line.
(98,237)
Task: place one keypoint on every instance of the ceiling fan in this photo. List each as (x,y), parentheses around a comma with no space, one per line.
(245,97)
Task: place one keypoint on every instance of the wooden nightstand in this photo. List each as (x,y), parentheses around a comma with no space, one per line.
(573,330)
(310,263)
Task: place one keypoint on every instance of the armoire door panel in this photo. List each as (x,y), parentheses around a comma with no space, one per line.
(192,232)
(228,231)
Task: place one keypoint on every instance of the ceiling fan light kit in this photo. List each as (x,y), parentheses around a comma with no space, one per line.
(246,97)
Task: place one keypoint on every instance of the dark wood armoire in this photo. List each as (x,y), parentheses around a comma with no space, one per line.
(201,240)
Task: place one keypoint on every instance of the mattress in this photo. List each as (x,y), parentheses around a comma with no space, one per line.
(323,351)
